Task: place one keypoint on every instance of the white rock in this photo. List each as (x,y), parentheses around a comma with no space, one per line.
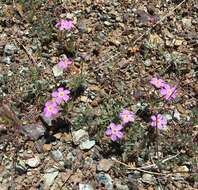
(119,186)
(57,155)
(79,136)
(176,115)
(57,71)
(86,145)
(104,165)
(85,187)
(10,49)
(187,22)
(148,178)
(33,162)
(49,179)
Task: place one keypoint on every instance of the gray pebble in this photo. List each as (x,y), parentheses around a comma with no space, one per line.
(57,155)
(10,49)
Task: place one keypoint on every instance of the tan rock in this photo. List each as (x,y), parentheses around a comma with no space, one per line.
(47,147)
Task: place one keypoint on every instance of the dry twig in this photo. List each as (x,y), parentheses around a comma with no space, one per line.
(26,51)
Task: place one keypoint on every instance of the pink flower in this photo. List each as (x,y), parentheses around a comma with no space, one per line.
(61,95)
(65,24)
(64,63)
(158,83)
(114,131)
(127,116)
(168,92)
(158,121)
(50,109)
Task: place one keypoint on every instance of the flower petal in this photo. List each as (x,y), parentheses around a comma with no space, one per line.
(54,94)
(108,132)
(112,125)
(61,89)
(119,127)
(153,118)
(119,134)
(114,137)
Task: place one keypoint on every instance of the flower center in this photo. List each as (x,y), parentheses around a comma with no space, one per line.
(169,92)
(157,82)
(49,108)
(114,131)
(158,121)
(126,117)
(61,94)
(65,62)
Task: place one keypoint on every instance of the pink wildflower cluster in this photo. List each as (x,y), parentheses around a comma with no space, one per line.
(167,91)
(126,116)
(52,107)
(64,63)
(115,131)
(61,95)
(65,24)
(158,121)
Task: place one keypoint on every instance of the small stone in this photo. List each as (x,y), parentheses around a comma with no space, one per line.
(178,185)
(33,131)
(77,177)
(169,43)
(66,137)
(85,187)
(49,179)
(106,23)
(106,180)
(178,42)
(182,169)
(151,188)
(70,16)
(86,145)
(176,115)
(88,2)
(119,19)
(88,161)
(70,157)
(58,135)
(168,117)
(148,178)
(4,187)
(57,71)
(57,155)
(10,49)
(121,187)
(82,27)
(114,41)
(155,40)
(147,62)
(21,168)
(84,99)
(187,22)
(7,60)
(104,165)
(47,147)
(33,162)
(79,136)
(3,128)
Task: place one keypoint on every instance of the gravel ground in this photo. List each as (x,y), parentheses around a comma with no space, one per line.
(116,46)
